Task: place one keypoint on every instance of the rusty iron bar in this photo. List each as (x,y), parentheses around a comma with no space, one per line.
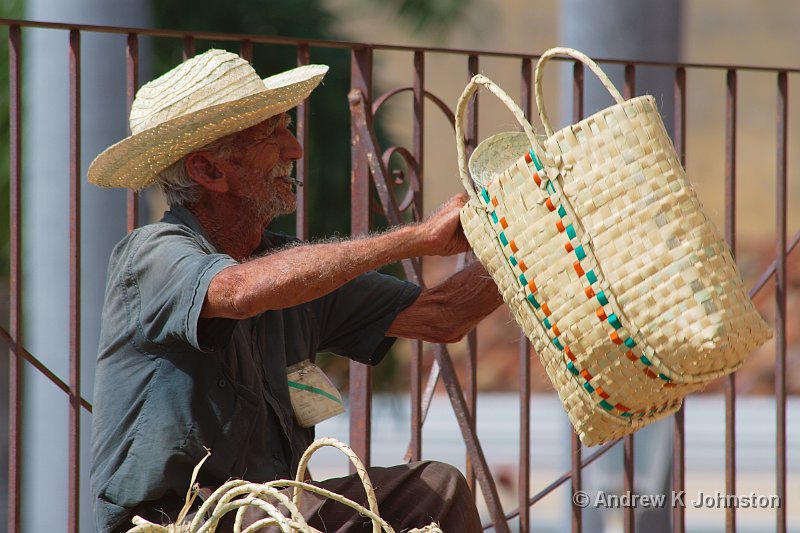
(73,508)
(678,438)
(132,84)
(246,50)
(304,137)
(415,379)
(15,271)
(781,288)
(188,45)
(628,486)
(368,150)
(730,237)
(349,45)
(575,443)
(471,360)
(360,374)
(524,474)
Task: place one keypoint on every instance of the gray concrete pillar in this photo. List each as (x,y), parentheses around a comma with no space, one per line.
(46,235)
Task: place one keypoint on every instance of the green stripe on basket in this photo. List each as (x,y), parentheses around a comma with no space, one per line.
(645,360)
(493,214)
(588,387)
(662,376)
(550,188)
(572,368)
(614,321)
(315,390)
(561,211)
(536,161)
(591,276)
(630,343)
(571,232)
(503,238)
(485,195)
(558,343)
(546,323)
(605,405)
(512,260)
(523,279)
(601,297)
(533,301)
(627,414)
(580,252)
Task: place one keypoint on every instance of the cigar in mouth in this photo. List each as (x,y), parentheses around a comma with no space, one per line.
(291,180)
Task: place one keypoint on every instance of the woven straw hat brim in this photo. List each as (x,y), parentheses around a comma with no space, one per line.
(135,161)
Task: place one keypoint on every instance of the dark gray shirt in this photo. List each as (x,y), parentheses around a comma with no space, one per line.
(169,383)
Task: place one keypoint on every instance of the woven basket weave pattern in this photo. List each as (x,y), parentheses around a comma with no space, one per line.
(602,252)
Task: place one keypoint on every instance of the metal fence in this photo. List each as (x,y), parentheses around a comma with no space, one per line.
(370,177)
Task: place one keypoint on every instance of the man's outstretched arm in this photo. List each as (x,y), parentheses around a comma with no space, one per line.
(303,273)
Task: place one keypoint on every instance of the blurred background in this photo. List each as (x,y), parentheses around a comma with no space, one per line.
(726,32)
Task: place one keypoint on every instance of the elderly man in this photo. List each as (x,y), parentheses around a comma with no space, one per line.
(205,310)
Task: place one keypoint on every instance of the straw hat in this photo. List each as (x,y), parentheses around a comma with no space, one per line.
(203,99)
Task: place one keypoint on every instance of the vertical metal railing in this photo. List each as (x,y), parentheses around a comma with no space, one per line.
(730,237)
(678,440)
(780,298)
(75,278)
(524,465)
(302,131)
(360,375)
(575,443)
(15,362)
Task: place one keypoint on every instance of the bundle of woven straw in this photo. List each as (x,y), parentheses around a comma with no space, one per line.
(237,495)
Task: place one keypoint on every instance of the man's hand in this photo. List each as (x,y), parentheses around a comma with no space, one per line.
(442,232)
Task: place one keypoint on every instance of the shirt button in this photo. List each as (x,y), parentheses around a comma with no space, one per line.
(221,383)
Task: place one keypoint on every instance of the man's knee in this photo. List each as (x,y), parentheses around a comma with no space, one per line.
(446,478)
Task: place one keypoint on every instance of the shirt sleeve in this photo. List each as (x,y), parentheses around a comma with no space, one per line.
(354,318)
(170,272)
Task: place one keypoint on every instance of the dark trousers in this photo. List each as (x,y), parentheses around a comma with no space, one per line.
(409,496)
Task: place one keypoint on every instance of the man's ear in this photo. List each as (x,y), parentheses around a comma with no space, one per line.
(203,168)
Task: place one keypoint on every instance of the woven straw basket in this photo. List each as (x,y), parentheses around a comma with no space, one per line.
(602,252)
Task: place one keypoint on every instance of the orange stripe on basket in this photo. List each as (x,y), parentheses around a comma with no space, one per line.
(513,246)
(531,286)
(630,355)
(601,313)
(615,338)
(578,268)
(649,373)
(556,330)
(589,292)
(622,407)
(494,201)
(569,353)
(560,226)
(586,375)
(546,309)
(537,179)
(504,223)
(602,393)
(549,204)
(670,385)
(528,158)
(568,247)
(523,266)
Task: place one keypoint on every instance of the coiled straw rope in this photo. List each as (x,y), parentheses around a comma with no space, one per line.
(238,494)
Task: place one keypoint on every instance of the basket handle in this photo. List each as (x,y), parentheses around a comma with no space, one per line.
(561,51)
(461,109)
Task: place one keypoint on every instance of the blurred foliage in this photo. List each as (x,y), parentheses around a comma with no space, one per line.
(433,17)
(8,9)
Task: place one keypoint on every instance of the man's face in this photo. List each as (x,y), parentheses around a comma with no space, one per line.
(261,157)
